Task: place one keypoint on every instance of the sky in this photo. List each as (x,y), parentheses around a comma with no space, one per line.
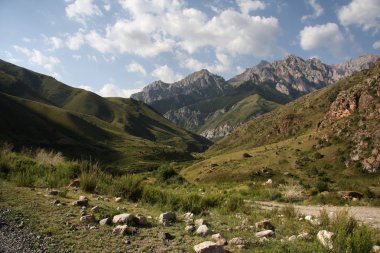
(116,47)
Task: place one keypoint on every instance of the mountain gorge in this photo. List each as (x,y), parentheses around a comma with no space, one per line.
(212,107)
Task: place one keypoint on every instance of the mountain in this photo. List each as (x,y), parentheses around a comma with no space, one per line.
(331,135)
(204,102)
(38,110)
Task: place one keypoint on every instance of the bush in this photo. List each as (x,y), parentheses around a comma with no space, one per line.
(234,203)
(128,186)
(168,174)
(89,181)
(289,212)
(47,158)
(322,186)
(24,179)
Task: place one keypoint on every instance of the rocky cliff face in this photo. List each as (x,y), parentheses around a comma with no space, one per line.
(191,102)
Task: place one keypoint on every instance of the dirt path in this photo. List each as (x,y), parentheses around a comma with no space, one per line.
(368,215)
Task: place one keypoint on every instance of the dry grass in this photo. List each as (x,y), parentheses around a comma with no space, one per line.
(49,158)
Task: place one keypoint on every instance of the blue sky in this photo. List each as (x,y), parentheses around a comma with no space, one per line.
(114,48)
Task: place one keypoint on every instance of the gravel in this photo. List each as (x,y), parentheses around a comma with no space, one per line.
(16,237)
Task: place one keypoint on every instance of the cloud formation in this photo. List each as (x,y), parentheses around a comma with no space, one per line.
(327,36)
(376,45)
(166,74)
(37,57)
(136,67)
(363,13)
(318,10)
(111,90)
(246,6)
(79,10)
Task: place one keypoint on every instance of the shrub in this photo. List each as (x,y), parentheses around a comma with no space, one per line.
(128,186)
(234,203)
(168,174)
(292,192)
(322,186)
(89,181)
(24,179)
(289,212)
(47,158)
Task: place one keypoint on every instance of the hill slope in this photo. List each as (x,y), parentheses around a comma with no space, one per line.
(330,135)
(40,111)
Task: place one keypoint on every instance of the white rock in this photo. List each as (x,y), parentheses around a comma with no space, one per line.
(88,218)
(237,241)
(208,247)
(265,233)
(190,228)
(376,249)
(292,238)
(123,218)
(120,229)
(118,199)
(325,237)
(303,235)
(167,218)
(219,239)
(188,216)
(200,222)
(202,230)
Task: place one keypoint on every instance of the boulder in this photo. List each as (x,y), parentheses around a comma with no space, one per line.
(165,236)
(120,230)
(105,221)
(167,218)
(141,220)
(203,230)
(188,216)
(82,198)
(326,238)
(95,209)
(265,224)
(269,183)
(238,241)
(124,218)
(190,228)
(265,233)
(208,247)
(88,218)
(200,222)
(292,238)
(350,194)
(75,183)
(376,249)
(219,239)
(118,199)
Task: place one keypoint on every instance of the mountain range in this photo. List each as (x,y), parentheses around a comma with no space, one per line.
(209,105)
(39,111)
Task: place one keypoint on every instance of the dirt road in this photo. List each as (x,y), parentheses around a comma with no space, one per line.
(368,215)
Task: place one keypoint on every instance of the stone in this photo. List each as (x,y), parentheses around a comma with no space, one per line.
(219,239)
(350,194)
(83,198)
(190,228)
(165,236)
(188,216)
(105,221)
(309,218)
(325,238)
(265,224)
(141,220)
(376,249)
(88,218)
(208,247)
(124,218)
(265,233)
(120,229)
(56,202)
(202,230)
(54,192)
(238,241)
(75,183)
(95,209)
(118,199)
(292,238)
(269,183)
(200,222)
(80,203)
(303,235)
(167,218)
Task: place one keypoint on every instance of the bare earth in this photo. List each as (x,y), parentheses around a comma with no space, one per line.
(368,215)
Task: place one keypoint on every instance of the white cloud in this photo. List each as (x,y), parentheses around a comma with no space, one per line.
(79,10)
(166,74)
(86,87)
(75,41)
(247,6)
(318,10)
(364,13)
(54,42)
(111,90)
(92,58)
(222,63)
(136,67)
(76,56)
(107,7)
(326,36)
(376,45)
(37,57)
(161,26)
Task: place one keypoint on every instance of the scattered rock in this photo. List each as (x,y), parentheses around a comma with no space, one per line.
(95,209)
(83,198)
(124,218)
(219,239)
(208,247)
(246,155)
(167,218)
(308,217)
(238,241)
(141,220)
(165,236)
(56,202)
(118,199)
(265,233)
(376,249)
(190,228)
(88,218)
(93,227)
(105,221)
(269,183)
(81,202)
(200,222)
(188,216)
(203,230)
(303,235)
(120,229)
(292,238)
(54,192)
(325,237)
(350,194)
(265,224)
(75,183)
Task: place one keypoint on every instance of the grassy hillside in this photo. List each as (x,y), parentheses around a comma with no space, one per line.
(38,110)
(324,140)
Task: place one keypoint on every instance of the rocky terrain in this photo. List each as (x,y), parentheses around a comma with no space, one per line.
(196,101)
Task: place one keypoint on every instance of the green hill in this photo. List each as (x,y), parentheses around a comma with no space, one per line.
(330,135)
(38,110)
